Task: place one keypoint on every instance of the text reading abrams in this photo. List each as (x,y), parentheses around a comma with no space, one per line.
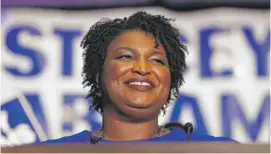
(230,108)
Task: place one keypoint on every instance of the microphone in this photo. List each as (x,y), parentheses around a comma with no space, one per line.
(188,128)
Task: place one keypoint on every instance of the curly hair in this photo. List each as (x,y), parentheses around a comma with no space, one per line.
(97,39)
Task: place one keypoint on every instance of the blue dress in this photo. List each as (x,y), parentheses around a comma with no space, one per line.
(176,135)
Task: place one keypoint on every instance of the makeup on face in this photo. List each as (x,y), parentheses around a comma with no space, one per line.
(136,74)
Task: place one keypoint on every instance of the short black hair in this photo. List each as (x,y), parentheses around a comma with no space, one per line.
(97,39)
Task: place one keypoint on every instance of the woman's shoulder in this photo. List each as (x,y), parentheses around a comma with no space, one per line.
(83,136)
(180,135)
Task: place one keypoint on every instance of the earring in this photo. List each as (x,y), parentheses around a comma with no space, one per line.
(97,79)
(99,94)
(164,106)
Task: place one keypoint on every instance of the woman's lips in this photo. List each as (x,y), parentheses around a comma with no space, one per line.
(140,87)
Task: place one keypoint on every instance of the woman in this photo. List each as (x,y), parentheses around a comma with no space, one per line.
(133,68)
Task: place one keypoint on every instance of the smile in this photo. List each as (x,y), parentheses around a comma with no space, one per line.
(140,83)
(142,86)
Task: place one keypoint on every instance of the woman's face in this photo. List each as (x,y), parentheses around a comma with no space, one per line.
(136,76)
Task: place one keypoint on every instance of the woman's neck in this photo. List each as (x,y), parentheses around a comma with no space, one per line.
(115,128)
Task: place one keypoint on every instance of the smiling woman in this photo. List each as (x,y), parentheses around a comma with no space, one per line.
(136,79)
(133,67)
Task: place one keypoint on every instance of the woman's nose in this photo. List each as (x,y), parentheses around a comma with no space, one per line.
(141,67)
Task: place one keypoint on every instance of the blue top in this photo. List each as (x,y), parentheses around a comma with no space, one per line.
(176,135)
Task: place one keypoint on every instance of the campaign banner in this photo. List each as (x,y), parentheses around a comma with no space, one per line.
(226,90)
(22,121)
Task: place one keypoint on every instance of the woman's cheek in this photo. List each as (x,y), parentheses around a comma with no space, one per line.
(115,70)
(164,76)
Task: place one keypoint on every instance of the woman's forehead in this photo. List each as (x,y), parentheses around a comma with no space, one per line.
(137,39)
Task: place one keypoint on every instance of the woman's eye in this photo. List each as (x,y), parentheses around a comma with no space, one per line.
(158,61)
(125,57)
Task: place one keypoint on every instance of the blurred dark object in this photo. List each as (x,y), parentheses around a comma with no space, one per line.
(197,4)
(173,4)
(74,3)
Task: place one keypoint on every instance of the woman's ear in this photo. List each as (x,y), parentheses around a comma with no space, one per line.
(99,81)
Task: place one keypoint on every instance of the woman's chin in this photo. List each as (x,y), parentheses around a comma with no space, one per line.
(139,112)
(139,105)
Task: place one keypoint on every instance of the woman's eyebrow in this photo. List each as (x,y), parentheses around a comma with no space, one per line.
(157,52)
(125,48)
(153,52)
